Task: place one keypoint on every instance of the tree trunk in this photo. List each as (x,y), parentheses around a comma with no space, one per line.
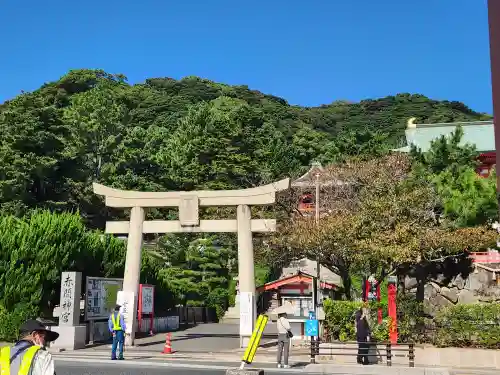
(401,284)
(421,279)
(346,280)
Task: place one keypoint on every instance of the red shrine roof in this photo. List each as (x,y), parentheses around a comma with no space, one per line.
(297,278)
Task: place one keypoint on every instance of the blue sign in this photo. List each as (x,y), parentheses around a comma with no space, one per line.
(312,327)
(312,315)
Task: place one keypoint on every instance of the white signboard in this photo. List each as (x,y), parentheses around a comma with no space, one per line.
(246,313)
(126,301)
(100,297)
(147,298)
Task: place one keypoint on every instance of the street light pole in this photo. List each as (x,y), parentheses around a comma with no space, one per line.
(318,265)
(494,27)
(317,297)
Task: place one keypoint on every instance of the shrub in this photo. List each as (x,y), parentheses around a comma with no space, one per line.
(411,321)
(11,321)
(35,250)
(339,320)
(472,325)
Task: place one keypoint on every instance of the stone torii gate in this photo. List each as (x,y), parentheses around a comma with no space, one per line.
(189,222)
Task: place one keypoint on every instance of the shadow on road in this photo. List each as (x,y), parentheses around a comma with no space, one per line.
(194,336)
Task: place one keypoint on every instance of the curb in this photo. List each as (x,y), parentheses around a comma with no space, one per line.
(373,370)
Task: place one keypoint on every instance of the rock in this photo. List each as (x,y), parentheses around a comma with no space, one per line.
(429,292)
(434,305)
(450,294)
(480,280)
(459,282)
(435,286)
(410,283)
(476,280)
(439,302)
(439,280)
(487,298)
(466,296)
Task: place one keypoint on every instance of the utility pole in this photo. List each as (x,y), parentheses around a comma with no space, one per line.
(494,26)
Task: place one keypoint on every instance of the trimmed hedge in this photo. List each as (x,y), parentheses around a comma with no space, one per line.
(339,320)
(472,325)
(11,321)
(475,325)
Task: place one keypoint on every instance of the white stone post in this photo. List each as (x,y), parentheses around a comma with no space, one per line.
(133,268)
(71,334)
(246,274)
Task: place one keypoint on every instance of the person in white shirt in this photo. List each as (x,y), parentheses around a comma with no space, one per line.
(284,336)
(28,356)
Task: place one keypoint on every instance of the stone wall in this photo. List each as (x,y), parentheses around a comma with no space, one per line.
(479,286)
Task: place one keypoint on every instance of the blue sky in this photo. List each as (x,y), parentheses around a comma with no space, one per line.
(308,52)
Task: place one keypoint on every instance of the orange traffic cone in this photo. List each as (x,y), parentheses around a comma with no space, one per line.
(167,349)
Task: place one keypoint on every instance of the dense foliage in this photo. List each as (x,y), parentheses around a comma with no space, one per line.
(339,320)
(476,325)
(465,198)
(168,134)
(198,272)
(390,223)
(464,325)
(34,251)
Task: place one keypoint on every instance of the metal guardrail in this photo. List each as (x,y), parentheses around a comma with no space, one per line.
(385,349)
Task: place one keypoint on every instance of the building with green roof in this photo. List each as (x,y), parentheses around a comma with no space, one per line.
(481,134)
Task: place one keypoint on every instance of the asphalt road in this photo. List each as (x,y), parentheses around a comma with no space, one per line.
(90,366)
(101,367)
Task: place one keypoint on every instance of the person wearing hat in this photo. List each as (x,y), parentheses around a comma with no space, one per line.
(28,355)
(116,325)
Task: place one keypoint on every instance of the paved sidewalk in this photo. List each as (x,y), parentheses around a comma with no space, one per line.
(373,370)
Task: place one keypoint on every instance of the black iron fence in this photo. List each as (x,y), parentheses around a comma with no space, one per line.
(372,350)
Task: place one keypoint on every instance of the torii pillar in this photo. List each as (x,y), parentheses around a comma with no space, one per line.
(189,222)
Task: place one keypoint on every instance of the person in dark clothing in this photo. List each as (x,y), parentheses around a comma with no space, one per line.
(362,335)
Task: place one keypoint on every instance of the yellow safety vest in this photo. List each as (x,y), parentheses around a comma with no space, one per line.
(115,319)
(26,360)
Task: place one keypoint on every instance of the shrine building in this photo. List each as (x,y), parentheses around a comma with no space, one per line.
(478,133)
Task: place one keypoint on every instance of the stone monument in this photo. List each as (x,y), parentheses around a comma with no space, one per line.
(189,204)
(72,335)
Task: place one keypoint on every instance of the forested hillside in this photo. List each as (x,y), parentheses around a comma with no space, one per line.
(167,134)
(187,134)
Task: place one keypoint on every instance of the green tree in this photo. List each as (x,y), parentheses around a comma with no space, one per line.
(36,250)
(95,119)
(198,270)
(465,198)
(90,123)
(446,153)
